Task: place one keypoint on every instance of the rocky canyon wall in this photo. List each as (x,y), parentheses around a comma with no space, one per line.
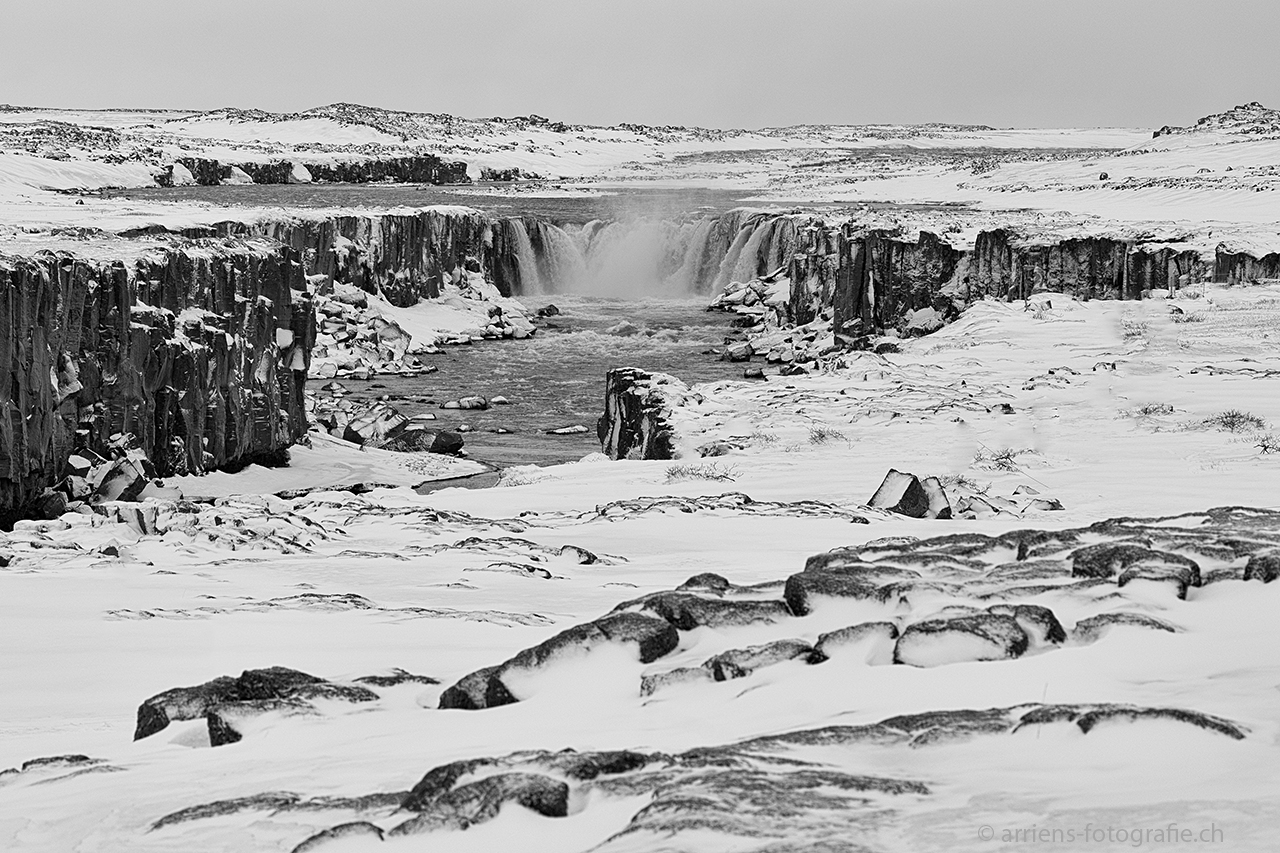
(198,350)
(411,256)
(876,277)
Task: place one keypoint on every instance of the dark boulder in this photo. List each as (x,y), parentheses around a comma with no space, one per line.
(901,493)
(485,688)
(335,833)
(481,689)
(1106,559)
(875,640)
(801,589)
(1095,627)
(225,698)
(1038,622)
(976,637)
(707,582)
(1263,566)
(480,801)
(687,611)
(739,663)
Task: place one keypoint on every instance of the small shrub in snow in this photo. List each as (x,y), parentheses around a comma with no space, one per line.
(1133,329)
(1234,420)
(960,481)
(1269,443)
(766,439)
(713,471)
(1150,409)
(998,460)
(1187,318)
(825,435)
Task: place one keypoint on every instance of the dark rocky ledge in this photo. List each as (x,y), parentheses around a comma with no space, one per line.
(198,350)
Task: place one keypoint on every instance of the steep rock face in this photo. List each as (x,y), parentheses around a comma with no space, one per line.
(1088,268)
(879,276)
(813,271)
(1240,267)
(407,257)
(199,350)
(420,169)
(1166,268)
(637,414)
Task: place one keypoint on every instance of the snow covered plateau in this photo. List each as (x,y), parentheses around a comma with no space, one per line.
(975,550)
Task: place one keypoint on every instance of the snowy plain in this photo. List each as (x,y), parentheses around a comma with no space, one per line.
(1112,409)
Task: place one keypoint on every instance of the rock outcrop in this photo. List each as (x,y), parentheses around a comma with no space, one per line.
(226,702)
(637,414)
(1237,267)
(419,169)
(197,349)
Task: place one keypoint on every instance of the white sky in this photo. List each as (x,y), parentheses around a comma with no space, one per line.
(715,63)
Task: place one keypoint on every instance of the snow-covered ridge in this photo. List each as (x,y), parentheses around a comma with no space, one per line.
(1251,119)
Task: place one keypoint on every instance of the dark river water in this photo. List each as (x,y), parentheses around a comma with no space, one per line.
(556,378)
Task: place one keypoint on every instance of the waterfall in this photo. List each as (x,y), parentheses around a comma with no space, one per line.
(646,256)
(526,259)
(696,249)
(562,267)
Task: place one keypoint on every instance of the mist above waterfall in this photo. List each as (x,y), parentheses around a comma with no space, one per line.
(650,255)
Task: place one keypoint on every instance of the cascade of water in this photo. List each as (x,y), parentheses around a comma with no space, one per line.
(526,259)
(563,268)
(647,256)
(697,246)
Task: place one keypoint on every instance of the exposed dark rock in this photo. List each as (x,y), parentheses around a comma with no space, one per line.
(1093,628)
(581,555)
(653,682)
(355,829)
(739,663)
(480,801)
(1038,622)
(396,677)
(637,411)
(765,790)
(708,582)
(1264,566)
(418,169)
(440,780)
(282,801)
(801,589)
(875,639)
(1087,717)
(1134,561)
(480,689)
(219,389)
(485,688)
(981,636)
(687,611)
(901,493)
(224,698)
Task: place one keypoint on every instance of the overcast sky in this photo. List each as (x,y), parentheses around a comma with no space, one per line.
(716,63)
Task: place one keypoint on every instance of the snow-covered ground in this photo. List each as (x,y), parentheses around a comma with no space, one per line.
(1032,670)
(1223,169)
(97,619)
